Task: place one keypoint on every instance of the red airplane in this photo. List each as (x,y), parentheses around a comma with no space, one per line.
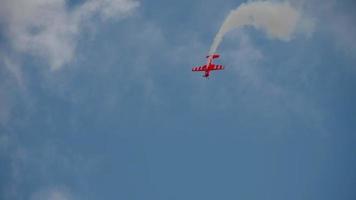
(210,65)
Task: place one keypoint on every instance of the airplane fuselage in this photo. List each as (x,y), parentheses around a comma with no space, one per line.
(209,66)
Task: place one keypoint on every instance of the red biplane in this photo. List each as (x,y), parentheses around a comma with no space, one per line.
(209,66)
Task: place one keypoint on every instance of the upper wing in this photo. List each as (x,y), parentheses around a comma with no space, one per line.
(199,69)
(217,67)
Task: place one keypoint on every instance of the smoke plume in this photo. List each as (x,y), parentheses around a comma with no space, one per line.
(278,20)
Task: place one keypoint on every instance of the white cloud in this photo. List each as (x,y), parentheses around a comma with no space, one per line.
(50,29)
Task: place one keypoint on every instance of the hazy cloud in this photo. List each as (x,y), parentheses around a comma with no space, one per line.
(54,193)
(335,19)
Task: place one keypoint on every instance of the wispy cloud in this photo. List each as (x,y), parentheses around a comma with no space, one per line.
(50,29)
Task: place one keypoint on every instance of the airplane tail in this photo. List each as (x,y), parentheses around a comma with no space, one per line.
(213,56)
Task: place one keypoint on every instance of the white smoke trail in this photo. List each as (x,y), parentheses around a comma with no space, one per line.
(278,20)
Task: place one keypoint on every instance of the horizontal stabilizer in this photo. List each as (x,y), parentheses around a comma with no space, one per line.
(213,56)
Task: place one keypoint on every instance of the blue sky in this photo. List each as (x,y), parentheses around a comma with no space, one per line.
(101,103)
